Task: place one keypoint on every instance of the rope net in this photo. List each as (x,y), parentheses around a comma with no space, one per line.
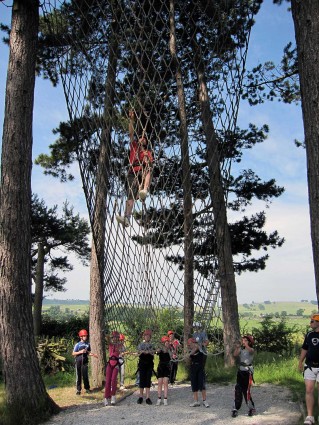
(153,68)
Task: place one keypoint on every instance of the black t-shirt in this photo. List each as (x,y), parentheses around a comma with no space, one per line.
(311,345)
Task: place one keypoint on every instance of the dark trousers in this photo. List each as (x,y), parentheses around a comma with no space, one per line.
(82,372)
(172,376)
(242,389)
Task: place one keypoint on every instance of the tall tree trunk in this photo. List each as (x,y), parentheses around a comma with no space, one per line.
(226,275)
(97,322)
(26,396)
(187,189)
(306,20)
(38,292)
(97,319)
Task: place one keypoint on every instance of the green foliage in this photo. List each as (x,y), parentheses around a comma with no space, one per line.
(50,352)
(275,337)
(61,328)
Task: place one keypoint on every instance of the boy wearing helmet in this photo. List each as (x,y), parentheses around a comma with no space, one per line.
(145,366)
(245,354)
(197,369)
(163,369)
(81,352)
(310,353)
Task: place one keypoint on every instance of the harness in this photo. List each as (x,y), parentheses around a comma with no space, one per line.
(119,361)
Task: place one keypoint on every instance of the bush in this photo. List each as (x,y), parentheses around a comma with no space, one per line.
(274,337)
(64,328)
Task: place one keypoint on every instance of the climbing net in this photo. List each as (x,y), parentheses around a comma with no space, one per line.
(177,65)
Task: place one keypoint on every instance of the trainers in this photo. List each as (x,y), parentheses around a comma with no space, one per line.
(106,402)
(113,400)
(158,403)
(125,221)
(78,393)
(122,388)
(142,194)
(140,400)
(195,404)
(310,420)
(234,413)
(148,401)
(165,402)
(205,403)
(251,412)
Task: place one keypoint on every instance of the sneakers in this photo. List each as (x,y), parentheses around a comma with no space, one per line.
(122,388)
(125,221)
(78,393)
(165,402)
(195,404)
(252,412)
(113,400)
(310,420)
(234,413)
(205,403)
(140,400)
(148,401)
(142,194)
(106,402)
(158,403)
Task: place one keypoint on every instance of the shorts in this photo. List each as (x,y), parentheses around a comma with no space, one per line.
(163,370)
(311,374)
(146,377)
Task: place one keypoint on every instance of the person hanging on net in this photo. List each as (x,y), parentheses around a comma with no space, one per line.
(139,173)
(245,353)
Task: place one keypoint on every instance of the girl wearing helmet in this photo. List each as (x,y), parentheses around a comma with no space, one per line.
(81,352)
(163,369)
(175,347)
(112,369)
(245,354)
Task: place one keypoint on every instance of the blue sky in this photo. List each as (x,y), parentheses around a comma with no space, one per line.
(289,274)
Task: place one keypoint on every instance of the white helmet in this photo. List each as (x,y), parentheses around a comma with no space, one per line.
(197,325)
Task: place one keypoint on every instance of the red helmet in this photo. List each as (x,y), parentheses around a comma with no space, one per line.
(83,332)
(170,333)
(115,334)
(164,339)
(122,337)
(250,339)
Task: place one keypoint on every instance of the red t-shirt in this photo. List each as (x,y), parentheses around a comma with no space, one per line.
(139,156)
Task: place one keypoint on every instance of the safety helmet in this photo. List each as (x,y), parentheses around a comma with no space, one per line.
(83,332)
(115,334)
(122,337)
(165,339)
(315,316)
(250,339)
(147,332)
(190,341)
(197,325)
(170,333)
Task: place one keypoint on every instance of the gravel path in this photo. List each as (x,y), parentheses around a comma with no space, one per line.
(274,405)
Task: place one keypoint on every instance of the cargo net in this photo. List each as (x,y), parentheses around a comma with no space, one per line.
(170,71)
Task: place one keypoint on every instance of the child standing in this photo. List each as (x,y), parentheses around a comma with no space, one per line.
(122,362)
(197,372)
(163,370)
(81,352)
(245,353)
(174,347)
(112,369)
(145,366)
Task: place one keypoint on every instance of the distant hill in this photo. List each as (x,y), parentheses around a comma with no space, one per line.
(65,302)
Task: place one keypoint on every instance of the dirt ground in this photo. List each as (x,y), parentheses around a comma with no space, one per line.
(274,405)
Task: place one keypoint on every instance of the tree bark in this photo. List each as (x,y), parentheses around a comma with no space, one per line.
(187,189)
(26,396)
(38,292)
(306,20)
(226,274)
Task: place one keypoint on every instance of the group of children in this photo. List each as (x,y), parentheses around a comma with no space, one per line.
(167,367)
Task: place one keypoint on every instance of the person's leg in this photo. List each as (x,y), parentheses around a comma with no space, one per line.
(108,378)
(78,376)
(85,374)
(115,372)
(310,401)
(165,382)
(122,374)
(160,387)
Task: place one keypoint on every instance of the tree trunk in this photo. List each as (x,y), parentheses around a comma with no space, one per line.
(97,319)
(187,189)
(26,396)
(226,275)
(38,292)
(97,337)
(306,20)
